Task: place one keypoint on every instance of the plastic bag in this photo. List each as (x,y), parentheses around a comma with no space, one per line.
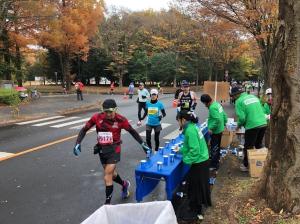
(158,212)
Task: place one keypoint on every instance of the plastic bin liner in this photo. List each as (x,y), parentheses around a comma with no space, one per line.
(158,212)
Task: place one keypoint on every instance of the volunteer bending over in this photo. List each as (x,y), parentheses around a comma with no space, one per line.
(108,127)
(217,119)
(195,153)
(250,114)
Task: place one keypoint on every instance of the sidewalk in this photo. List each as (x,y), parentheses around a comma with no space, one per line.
(58,104)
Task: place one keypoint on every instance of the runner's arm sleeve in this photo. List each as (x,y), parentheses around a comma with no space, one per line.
(146,112)
(163,112)
(84,130)
(194,104)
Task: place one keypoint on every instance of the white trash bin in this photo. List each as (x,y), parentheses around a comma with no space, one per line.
(157,212)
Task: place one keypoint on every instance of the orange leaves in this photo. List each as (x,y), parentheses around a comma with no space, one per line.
(160,43)
(75,24)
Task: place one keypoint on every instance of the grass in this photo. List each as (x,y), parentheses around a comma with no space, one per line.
(7,92)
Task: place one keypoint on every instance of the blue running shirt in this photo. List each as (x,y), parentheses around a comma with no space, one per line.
(154,112)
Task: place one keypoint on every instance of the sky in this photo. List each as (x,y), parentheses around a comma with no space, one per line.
(137,5)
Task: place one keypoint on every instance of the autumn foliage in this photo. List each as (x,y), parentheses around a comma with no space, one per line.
(75,23)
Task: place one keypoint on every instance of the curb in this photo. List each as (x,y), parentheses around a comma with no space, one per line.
(87,108)
(21,119)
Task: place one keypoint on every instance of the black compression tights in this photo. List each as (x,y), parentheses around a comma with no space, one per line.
(156,138)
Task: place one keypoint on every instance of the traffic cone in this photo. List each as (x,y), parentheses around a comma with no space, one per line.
(174,103)
(125,97)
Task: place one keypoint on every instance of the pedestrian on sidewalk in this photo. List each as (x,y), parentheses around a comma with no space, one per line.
(108,127)
(79,88)
(131,90)
(143,96)
(217,119)
(250,114)
(112,88)
(195,154)
(155,111)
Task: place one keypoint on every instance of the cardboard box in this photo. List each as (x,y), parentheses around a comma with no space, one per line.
(256,160)
(227,137)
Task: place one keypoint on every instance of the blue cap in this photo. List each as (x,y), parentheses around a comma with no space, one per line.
(185,83)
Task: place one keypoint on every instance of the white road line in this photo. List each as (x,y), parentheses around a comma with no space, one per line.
(70,123)
(56,121)
(172,135)
(4,154)
(77,127)
(163,125)
(39,120)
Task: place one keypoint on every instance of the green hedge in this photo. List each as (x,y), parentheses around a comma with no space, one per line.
(9,97)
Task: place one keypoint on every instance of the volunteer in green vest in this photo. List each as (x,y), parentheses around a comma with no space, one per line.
(217,119)
(250,114)
(195,154)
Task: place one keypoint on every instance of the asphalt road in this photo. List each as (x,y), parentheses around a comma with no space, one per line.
(48,184)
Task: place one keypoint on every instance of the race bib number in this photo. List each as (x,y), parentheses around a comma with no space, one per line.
(152,110)
(105,138)
(186,105)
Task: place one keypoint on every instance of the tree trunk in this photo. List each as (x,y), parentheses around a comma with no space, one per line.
(18,66)
(65,70)
(265,54)
(120,78)
(281,181)
(210,71)
(5,40)
(97,80)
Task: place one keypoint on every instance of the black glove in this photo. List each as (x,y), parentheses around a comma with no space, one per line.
(160,117)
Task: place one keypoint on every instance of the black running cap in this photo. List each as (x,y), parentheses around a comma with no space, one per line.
(109,104)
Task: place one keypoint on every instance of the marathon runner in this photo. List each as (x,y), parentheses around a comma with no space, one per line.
(108,127)
(187,100)
(153,109)
(143,96)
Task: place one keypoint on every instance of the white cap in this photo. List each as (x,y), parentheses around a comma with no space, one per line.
(154,91)
(268,91)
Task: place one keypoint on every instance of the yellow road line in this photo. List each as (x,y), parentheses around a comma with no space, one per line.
(39,147)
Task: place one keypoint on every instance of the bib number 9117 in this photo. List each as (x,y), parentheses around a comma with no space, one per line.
(105,138)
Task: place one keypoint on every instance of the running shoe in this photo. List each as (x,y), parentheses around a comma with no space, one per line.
(200,217)
(125,191)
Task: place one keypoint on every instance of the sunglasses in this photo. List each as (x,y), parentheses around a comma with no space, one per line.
(110,110)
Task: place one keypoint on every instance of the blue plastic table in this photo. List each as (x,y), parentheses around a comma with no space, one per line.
(148,177)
